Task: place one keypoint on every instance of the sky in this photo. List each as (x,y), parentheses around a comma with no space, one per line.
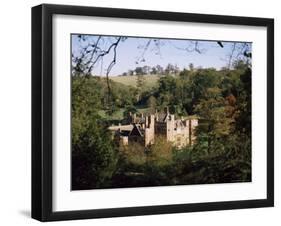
(130,52)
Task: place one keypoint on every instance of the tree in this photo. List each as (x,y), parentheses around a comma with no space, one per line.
(152,103)
(130,72)
(93,152)
(191,67)
(140,85)
(166,91)
(170,69)
(176,69)
(146,70)
(139,71)
(129,109)
(159,69)
(153,70)
(216,123)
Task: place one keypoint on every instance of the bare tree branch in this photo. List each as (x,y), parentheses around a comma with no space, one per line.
(112,63)
(231,55)
(93,53)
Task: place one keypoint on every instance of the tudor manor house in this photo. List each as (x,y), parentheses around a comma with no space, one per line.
(143,129)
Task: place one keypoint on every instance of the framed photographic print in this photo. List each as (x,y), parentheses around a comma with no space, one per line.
(145,112)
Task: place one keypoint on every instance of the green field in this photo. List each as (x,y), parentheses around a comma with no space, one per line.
(119,114)
(131,80)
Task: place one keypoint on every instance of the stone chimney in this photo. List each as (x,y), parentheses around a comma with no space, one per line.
(170,125)
(167,110)
(172,117)
(156,115)
(146,121)
(151,121)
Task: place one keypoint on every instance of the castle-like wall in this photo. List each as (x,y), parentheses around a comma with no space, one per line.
(181,136)
(170,128)
(149,132)
(180,132)
(193,125)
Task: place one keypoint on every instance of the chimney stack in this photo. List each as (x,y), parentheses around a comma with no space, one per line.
(167,110)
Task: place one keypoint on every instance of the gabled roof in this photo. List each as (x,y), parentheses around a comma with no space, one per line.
(136,131)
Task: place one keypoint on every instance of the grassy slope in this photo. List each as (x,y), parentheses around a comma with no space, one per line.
(150,80)
(119,114)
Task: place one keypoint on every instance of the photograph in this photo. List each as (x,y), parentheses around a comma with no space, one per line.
(157,111)
(144,111)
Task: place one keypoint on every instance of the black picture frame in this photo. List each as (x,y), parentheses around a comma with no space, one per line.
(42,111)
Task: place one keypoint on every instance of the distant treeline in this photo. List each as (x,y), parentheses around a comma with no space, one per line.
(154,70)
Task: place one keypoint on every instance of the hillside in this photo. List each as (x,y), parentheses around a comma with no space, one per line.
(131,80)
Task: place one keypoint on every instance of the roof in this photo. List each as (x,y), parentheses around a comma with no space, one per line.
(121,127)
(136,131)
